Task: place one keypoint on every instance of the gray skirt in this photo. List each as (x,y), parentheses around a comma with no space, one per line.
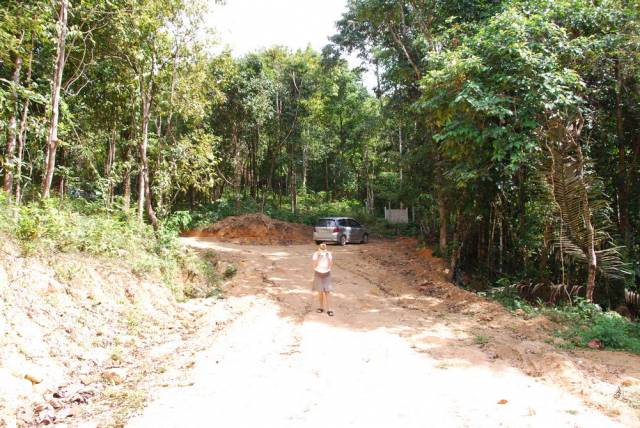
(322,281)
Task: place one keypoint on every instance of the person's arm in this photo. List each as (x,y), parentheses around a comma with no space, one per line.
(330,261)
(314,259)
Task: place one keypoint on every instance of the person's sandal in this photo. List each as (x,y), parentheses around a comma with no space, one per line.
(319,310)
(330,313)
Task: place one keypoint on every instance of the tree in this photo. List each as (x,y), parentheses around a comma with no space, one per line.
(56,86)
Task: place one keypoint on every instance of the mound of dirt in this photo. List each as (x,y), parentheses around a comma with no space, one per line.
(256,229)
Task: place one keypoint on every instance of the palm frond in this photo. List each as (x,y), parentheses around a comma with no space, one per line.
(571,189)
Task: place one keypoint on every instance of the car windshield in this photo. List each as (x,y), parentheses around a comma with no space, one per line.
(325,222)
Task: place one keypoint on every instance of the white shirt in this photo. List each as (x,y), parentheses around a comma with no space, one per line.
(323,261)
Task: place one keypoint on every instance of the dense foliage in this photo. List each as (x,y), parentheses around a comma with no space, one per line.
(509,127)
(520,128)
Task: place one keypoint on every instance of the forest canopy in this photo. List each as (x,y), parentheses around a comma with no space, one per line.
(510,128)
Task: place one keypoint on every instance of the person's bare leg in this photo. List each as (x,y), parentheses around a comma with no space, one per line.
(326,302)
(320,301)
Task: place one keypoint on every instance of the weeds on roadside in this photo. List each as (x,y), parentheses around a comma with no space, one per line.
(75,225)
(125,401)
(481,339)
(581,321)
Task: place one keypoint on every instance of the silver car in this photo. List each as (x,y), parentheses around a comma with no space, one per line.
(340,230)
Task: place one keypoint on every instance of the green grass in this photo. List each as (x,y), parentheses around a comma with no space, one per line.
(581,321)
(481,339)
(52,226)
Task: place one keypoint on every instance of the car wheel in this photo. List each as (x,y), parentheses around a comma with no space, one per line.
(343,240)
(365,239)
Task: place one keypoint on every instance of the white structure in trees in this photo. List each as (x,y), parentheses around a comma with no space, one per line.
(396,215)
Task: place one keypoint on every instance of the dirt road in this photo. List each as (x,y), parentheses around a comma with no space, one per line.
(405,348)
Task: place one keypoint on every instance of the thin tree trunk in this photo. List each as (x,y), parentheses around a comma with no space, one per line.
(126,179)
(140,191)
(623,193)
(22,139)
(292,180)
(544,257)
(455,253)
(254,164)
(326,177)
(160,158)
(12,131)
(62,181)
(305,166)
(237,164)
(442,213)
(592,261)
(493,219)
(52,136)
(500,244)
(111,154)
(368,188)
(126,157)
(144,199)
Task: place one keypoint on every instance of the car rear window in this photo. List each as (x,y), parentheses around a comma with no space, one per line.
(325,222)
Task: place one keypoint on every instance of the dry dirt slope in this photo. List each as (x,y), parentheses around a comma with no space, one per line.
(78,334)
(405,348)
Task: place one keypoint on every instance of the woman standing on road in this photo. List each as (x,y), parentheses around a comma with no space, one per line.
(322,262)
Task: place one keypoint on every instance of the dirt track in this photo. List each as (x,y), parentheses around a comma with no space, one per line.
(404,349)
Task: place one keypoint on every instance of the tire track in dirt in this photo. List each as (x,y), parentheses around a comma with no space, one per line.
(395,354)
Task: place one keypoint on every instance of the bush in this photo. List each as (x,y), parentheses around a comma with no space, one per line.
(610,328)
(54,225)
(582,321)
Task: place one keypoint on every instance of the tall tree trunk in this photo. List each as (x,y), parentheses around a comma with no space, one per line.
(22,133)
(22,139)
(623,193)
(12,126)
(52,136)
(368,188)
(126,157)
(144,199)
(160,158)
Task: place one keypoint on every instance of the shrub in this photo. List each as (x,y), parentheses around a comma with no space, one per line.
(581,321)
(610,328)
(74,225)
